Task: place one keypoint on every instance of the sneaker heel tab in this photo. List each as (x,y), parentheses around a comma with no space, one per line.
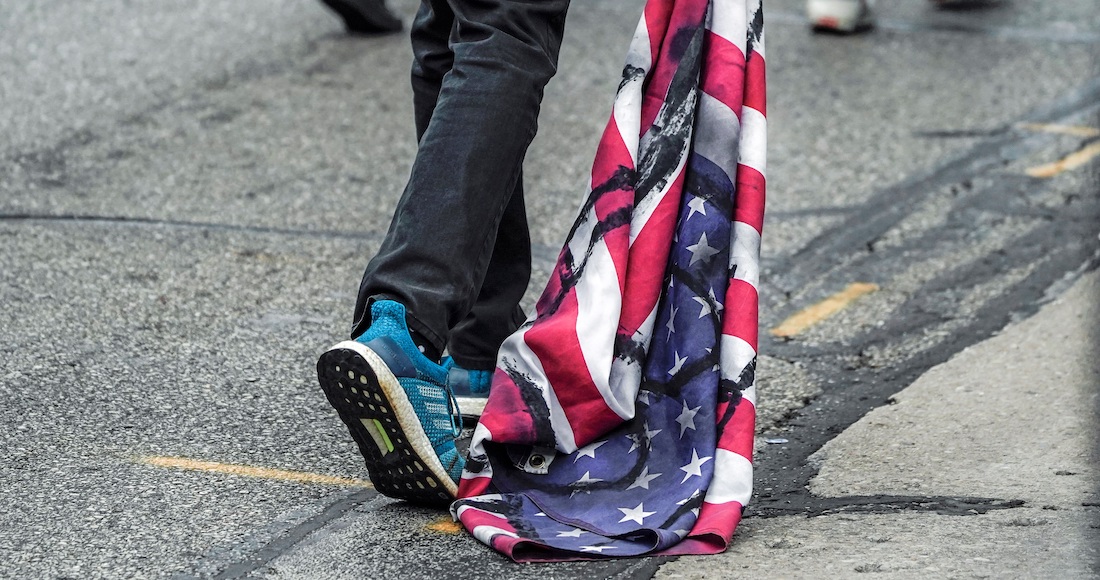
(388,309)
(393,355)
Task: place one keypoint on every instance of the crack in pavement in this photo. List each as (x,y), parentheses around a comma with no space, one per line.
(888,504)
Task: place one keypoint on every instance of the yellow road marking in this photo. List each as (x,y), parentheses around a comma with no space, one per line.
(1071,161)
(1074,130)
(445,526)
(249,471)
(812,315)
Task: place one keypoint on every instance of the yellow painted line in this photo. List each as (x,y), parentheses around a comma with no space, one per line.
(445,526)
(1075,130)
(1071,161)
(250,471)
(808,317)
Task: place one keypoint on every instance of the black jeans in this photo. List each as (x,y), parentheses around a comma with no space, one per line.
(458,251)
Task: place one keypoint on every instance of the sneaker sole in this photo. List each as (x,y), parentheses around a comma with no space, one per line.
(400,459)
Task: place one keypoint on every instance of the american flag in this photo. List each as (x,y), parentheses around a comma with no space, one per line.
(620,420)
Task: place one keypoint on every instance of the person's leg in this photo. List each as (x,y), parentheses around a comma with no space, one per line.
(496,313)
(444,234)
(432,266)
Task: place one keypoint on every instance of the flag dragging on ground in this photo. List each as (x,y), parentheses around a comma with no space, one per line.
(620,420)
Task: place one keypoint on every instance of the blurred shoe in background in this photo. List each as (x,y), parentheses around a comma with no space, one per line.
(841,16)
(365,16)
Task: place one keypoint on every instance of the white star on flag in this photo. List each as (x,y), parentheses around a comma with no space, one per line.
(693,468)
(671,326)
(649,435)
(576,533)
(687,419)
(588,450)
(696,206)
(705,310)
(635,441)
(636,514)
(585,479)
(597,549)
(718,308)
(677,366)
(643,479)
(701,250)
(693,495)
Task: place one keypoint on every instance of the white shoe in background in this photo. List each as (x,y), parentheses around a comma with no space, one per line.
(844,16)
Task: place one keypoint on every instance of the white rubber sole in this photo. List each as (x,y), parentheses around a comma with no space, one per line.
(400,459)
(471,406)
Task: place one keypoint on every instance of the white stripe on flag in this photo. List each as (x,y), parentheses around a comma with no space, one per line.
(751,8)
(481,498)
(736,354)
(729,21)
(716,129)
(628,375)
(645,209)
(485,534)
(754,140)
(732,479)
(578,243)
(599,306)
(750,394)
(563,430)
(745,253)
(628,102)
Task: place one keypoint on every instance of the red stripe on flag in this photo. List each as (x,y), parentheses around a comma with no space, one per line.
(473,486)
(506,414)
(723,75)
(756,85)
(555,339)
(719,519)
(507,544)
(687,15)
(657,15)
(648,259)
(553,284)
(617,238)
(749,199)
(712,531)
(612,155)
(473,517)
(738,433)
(740,319)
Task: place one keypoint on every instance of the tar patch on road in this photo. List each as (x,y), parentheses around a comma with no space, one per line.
(1039,233)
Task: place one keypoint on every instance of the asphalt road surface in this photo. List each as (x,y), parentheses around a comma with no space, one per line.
(189,191)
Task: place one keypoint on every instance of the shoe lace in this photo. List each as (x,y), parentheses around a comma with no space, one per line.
(452,409)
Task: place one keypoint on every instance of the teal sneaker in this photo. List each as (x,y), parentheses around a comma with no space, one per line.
(470,388)
(398,408)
